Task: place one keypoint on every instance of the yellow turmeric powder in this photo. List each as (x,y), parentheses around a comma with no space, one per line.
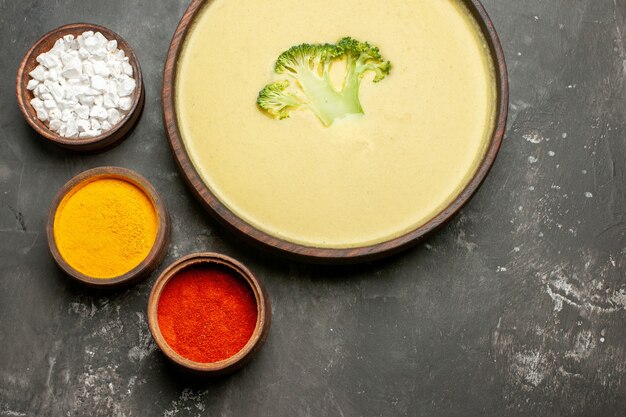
(105,228)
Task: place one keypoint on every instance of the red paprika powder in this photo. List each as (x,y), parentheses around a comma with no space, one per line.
(206,313)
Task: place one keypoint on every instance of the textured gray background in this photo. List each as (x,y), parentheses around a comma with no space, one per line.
(517,307)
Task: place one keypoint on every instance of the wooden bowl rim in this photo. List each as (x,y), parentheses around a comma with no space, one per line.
(329,255)
(28,111)
(159,248)
(263,311)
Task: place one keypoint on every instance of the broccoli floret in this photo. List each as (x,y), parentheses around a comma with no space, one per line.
(277,101)
(309,65)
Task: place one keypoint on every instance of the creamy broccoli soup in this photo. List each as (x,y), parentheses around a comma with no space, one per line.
(364,179)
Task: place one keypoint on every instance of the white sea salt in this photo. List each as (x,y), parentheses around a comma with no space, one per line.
(82,86)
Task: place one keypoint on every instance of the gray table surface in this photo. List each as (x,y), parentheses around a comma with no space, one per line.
(516,308)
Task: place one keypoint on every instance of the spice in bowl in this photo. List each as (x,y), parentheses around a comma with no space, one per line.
(206,314)
(209,314)
(108,225)
(83,86)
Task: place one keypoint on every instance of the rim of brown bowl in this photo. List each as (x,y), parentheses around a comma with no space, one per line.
(309,253)
(159,248)
(24,96)
(258,337)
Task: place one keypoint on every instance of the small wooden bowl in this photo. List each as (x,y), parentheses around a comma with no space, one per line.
(264,316)
(24,96)
(156,254)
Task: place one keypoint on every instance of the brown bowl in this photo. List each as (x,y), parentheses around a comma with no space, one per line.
(308,253)
(264,315)
(24,96)
(156,254)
